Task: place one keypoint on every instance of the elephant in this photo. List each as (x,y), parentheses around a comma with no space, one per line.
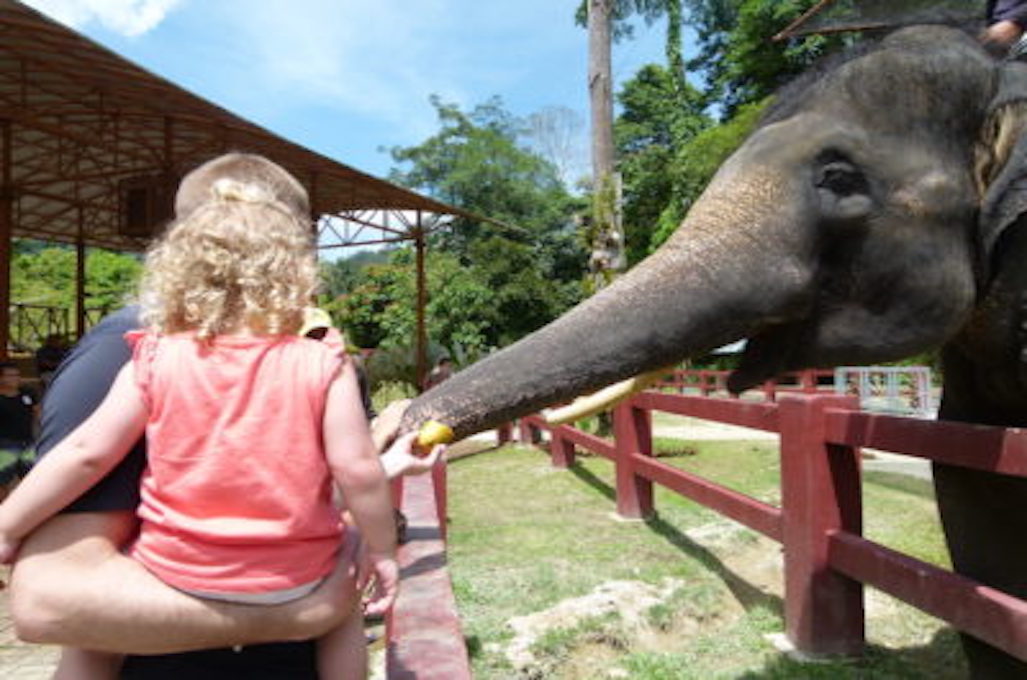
(873,213)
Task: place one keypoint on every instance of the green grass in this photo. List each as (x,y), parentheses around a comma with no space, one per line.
(525,536)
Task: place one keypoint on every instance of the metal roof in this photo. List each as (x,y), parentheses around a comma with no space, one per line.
(80,125)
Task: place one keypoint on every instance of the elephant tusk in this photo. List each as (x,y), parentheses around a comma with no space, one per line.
(609,396)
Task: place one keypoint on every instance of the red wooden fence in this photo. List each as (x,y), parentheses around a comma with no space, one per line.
(819,523)
(711,382)
(423,632)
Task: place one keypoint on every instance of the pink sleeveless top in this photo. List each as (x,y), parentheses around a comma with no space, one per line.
(237,493)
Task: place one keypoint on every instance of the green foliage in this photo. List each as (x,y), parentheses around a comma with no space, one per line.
(695,163)
(388,391)
(344,274)
(739,60)
(659,115)
(488,284)
(476,162)
(45,275)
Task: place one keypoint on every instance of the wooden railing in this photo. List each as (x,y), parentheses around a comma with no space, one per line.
(827,560)
(423,634)
(30,325)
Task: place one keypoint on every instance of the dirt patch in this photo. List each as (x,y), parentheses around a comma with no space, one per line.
(628,601)
(583,637)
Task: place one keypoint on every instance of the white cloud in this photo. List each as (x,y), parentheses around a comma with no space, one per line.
(379,58)
(127,17)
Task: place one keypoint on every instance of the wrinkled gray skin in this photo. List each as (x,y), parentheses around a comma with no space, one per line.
(852,227)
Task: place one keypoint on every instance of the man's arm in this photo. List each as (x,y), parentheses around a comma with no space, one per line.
(71,586)
(76,464)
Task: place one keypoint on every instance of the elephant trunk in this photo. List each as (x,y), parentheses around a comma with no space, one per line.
(698,292)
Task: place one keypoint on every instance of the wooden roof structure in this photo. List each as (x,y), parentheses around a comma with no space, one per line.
(92,147)
(829,16)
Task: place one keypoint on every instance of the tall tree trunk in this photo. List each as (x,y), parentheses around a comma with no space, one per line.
(675,61)
(607,237)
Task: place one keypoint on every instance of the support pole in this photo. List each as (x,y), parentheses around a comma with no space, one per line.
(821,493)
(80,276)
(422,302)
(6,231)
(633,433)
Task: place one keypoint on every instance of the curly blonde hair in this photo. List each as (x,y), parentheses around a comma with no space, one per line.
(239,255)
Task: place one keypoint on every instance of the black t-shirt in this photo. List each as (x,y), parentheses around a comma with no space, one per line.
(16,420)
(78,387)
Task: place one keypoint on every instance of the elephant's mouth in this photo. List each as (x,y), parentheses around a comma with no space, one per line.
(769,353)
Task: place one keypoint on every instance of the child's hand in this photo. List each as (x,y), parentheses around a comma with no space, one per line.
(401,459)
(386,585)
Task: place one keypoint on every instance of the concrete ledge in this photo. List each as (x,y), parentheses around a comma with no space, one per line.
(425,640)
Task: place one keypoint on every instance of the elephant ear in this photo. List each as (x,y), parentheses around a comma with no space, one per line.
(1001,162)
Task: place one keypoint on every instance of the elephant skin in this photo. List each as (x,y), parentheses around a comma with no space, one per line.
(874,213)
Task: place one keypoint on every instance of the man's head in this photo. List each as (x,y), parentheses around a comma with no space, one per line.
(239,254)
(197,187)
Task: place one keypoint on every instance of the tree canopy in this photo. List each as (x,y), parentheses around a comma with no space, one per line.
(488,283)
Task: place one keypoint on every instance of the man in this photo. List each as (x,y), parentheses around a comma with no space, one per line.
(49,356)
(72,586)
(1006,22)
(18,411)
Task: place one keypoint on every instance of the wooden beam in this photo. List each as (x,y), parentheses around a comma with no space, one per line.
(422,303)
(80,275)
(6,230)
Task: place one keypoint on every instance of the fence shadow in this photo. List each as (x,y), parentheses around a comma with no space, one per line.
(940,659)
(748,595)
(588,477)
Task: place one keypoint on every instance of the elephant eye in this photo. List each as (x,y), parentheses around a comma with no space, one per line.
(842,178)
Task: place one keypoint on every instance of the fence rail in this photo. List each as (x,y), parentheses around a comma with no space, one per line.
(827,561)
(30,325)
(899,390)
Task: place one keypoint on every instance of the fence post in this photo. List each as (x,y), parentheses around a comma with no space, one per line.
(820,493)
(632,428)
(504,434)
(525,432)
(561,451)
(440,481)
(396,488)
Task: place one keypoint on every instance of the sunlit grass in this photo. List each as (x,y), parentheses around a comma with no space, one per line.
(525,536)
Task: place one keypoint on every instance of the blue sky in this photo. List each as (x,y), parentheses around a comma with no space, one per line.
(349,77)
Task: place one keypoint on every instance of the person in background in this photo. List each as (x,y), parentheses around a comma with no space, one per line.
(48,357)
(317,325)
(439,373)
(1006,21)
(19,412)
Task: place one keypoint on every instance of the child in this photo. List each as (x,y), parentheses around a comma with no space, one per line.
(247,424)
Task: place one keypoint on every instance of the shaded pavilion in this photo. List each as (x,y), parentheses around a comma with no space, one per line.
(92,147)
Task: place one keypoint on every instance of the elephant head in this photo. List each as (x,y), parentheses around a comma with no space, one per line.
(855,225)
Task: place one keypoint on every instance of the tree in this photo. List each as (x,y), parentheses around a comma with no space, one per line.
(46,276)
(606,236)
(488,283)
(475,161)
(659,116)
(695,162)
(737,58)
(555,132)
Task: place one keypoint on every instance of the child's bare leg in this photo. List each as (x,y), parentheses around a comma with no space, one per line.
(83,664)
(342,652)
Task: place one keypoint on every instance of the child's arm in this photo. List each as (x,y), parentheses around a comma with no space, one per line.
(74,465)
(355,467)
